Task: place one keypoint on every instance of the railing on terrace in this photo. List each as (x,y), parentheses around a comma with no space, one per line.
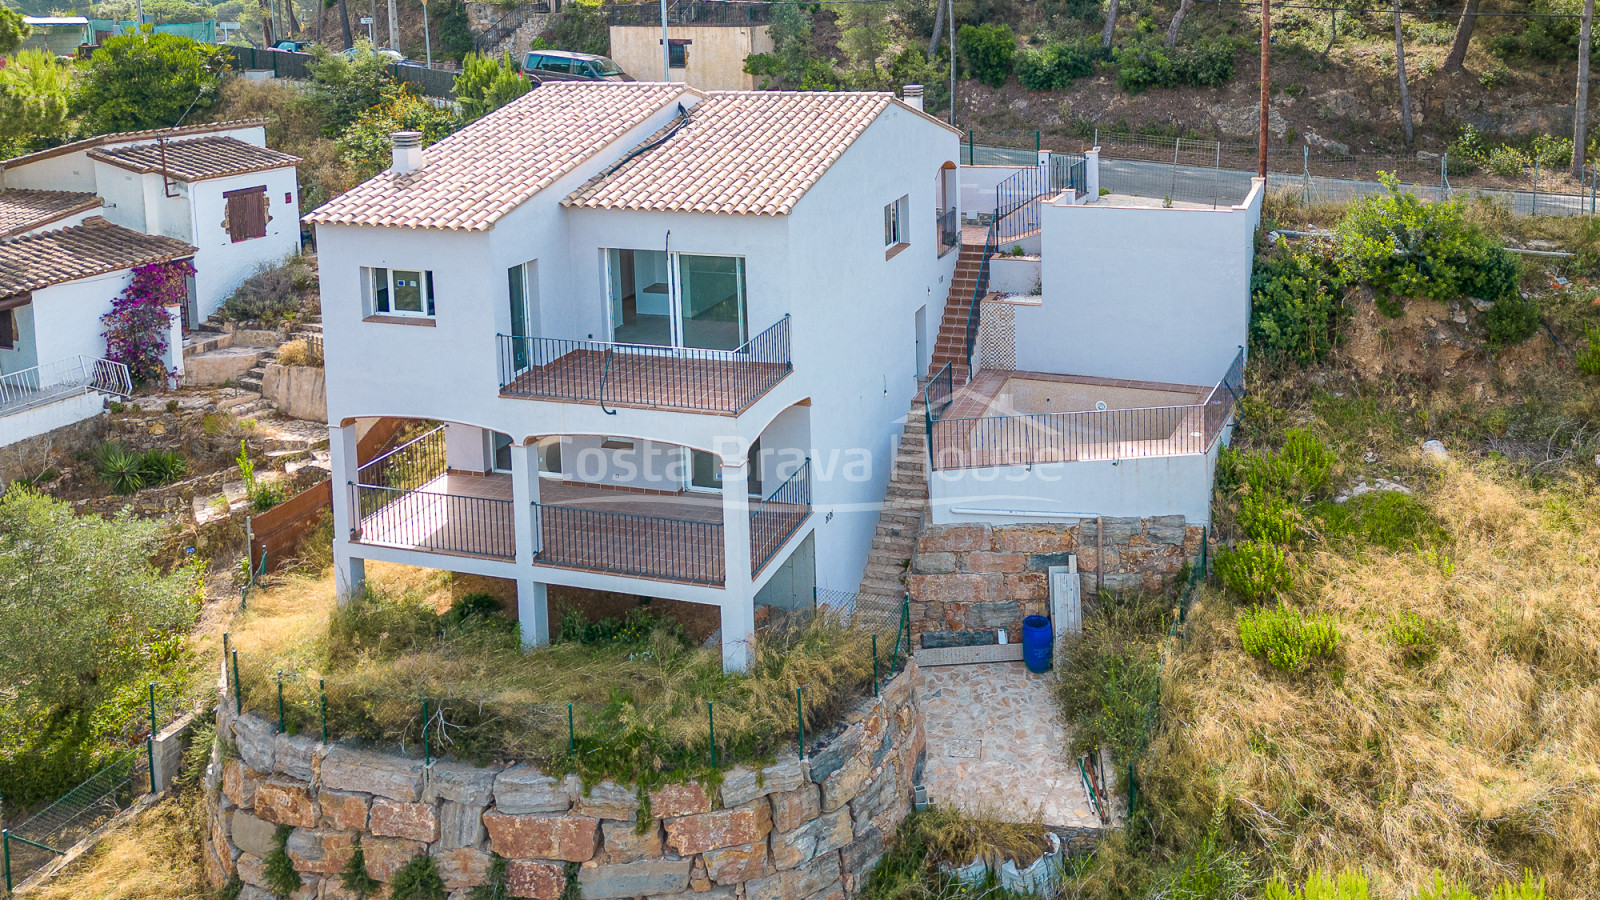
(1110,434)
(774,519)
(688,378)
(949,228)
(60,379)
(435,522)
(408,466)
(630,544)
(1018,199)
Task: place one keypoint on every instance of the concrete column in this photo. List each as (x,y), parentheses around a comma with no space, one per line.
(533,611)
(738,605)
(1044,159)
(1091,173)
(349,571)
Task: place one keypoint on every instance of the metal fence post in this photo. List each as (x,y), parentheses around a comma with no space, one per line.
(1535,210)
(572,738)
(322,699)
(150,757)
(238,694)
(800,719)
(5,842)
(427,759)
(711,729)
(152,707)
(972,160)
(1037,143)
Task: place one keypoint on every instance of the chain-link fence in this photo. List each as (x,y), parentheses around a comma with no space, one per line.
(1218,173)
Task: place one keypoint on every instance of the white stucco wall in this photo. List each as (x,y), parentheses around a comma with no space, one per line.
(63,222)
(220,264)
(38,420)
(1014,274)
(1158,486)
(978,184)
(66,317)
(1143,293)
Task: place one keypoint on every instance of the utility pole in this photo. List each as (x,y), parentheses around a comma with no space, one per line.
(1580,117)
(1400,67)
(1266,84)
(666,49)
(394,27)
(427,40)
(951,18)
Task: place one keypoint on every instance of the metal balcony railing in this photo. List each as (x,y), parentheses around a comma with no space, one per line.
(60,379)
(949,228)
(1111,434)
(645,375)
(643,546)
(435,522)
(408,466)
(775,519)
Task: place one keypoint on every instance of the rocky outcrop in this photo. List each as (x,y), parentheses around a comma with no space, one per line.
(797,829)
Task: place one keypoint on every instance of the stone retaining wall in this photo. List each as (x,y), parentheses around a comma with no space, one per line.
(968,580)
(793,830)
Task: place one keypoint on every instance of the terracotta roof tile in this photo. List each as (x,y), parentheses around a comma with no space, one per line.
(196,159)
(754,152)
(25,210)
(94,248)
(473,177)
(102,140)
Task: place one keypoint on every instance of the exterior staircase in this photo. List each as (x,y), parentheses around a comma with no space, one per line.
(951,344)
(904,504)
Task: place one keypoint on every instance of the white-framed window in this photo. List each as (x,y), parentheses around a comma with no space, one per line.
(400,292)
(894,222)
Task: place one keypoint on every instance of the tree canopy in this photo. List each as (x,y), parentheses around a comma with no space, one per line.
(146,80)
(486,84)
(13,31)
(35,101)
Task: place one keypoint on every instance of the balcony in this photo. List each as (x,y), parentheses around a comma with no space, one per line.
(61,379)
(646,376)
(408,500)
(999,418)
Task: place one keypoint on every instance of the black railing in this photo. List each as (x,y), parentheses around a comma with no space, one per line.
(439,523)
(949,228)
(629,544)
(288,64)
(775,519)
(726,381)
(974,312)
(408,466)
(1109,434)
(1019,199)
(1068,171)
(937,394)
(691,12)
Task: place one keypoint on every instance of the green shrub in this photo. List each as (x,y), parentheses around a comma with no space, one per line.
(1055,66)
(499,882)
(120,468)
(1414,636)
(270,294)
(1286,639)
(1302,468)
(1392,520)
(1150,65)
(1529,888)
(354,878)
(1255,571)
(1268,519)
(1213,871)
(162,466)
(1507,162)
(1296,297)
(1108,677)
(1404,247)
(418,879)
(1511,320)
(636,628)
(1589,355)
(474,611)
(486,84)
(278,869)
(1318,886)
(989,50)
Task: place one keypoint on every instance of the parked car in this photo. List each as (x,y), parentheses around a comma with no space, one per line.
(294,46)
(564,65)
(394,56)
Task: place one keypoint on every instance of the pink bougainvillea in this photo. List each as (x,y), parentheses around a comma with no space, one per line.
(138,324)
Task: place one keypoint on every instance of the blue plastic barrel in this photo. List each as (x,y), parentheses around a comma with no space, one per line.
(1036,644)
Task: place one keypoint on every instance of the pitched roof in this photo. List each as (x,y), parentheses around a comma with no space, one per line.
(101,140)
(196,159)
(25,210)
(473,177)
(754,152)
(96,247)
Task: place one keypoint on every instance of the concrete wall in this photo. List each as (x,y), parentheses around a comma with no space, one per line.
(27,457)
(300,392)
(66,317)
(1141,292)
(716,53)
(1014,274)
(40,420)
(978,184)
(792,830)
(222,265)
(1153,486)
(968,580)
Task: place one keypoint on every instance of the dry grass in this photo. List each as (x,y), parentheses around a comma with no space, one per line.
(156,857)
(299,353)
(1477,762)
(639,708)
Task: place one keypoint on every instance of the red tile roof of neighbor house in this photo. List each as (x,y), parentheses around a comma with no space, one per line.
(125,136)
(25,210)
(196,159)
(477,175)
(96,247)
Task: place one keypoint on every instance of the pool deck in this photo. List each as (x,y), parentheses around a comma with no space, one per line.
(997,748)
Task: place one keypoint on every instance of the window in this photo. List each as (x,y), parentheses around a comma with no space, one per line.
(8,330)
(247,213)
(401,292)
(894,222)
(677,53)
(560,65)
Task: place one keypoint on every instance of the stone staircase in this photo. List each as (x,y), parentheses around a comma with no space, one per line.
(951,344)
(904,504)
(210,335)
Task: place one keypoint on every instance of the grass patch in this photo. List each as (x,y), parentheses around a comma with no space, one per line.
(156,857)
(638,698)
(1288,640)
(1108,679)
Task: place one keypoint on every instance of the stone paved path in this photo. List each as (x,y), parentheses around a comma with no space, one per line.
(996,746)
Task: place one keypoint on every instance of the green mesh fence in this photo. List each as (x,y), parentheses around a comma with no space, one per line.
(30,846)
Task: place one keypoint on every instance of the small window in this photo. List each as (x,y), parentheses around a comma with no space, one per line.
(677,53)
(8,329)
(894,222)
(560,65)
(247,213)
(401,292)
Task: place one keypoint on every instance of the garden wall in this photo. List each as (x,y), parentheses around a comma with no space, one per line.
(968,580)
(793,830)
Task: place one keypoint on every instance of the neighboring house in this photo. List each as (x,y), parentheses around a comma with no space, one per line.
(216,187)
(672,335)
(61,35)
(707,43)
(1105,354)
(56,281)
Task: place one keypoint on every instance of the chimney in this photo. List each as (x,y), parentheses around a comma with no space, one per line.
(407,152)
(913,95)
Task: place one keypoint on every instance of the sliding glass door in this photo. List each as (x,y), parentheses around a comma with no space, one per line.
(677,299)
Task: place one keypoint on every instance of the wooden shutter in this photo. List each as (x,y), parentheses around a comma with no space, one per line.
(247,213)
